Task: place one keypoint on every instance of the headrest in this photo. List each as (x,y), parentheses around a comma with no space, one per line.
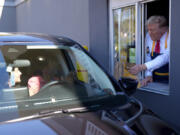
(21,63)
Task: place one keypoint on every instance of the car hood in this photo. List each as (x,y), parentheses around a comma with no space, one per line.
(71,124)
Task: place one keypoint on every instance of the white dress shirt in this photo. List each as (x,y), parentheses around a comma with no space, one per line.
(160,60)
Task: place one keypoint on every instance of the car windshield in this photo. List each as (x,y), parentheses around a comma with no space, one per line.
(35,77)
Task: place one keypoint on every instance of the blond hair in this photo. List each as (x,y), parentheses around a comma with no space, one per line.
(160,20)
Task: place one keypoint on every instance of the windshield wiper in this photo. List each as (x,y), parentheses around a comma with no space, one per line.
(49,112)
(69,110)
(81,109)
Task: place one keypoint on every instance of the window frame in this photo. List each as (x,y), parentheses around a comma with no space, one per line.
(140,7)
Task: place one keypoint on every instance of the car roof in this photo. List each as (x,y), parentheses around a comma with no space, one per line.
(30,38)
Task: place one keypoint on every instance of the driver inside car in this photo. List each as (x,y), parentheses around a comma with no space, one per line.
(34,85)
(40,78)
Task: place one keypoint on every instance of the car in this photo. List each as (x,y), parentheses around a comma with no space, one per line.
(52,85)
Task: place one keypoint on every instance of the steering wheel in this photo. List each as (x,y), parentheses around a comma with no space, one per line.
(51,83)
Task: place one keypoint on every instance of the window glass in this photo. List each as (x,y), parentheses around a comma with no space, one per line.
(37,77)
(124,41)
(89,72)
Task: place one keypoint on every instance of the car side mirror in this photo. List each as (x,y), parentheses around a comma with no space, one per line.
(129,85)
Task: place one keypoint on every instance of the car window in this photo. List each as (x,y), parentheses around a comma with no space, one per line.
(43,76)
(89,72)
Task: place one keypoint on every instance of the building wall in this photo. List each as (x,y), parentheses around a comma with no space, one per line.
(60,17)
(7,19)
(168,106)
(99,39)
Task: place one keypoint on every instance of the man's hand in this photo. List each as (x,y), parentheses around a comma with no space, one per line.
(146,81)
(137,68)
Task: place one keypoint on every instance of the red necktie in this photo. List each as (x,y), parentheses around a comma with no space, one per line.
(157,48)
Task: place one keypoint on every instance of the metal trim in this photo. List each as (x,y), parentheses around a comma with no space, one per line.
(138,34)
(146,1)
(111,52)
(124,5)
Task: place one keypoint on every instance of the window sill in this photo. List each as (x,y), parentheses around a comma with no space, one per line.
(158,88)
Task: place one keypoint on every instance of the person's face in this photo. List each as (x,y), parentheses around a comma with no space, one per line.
(33,89)
(154,31)
(17,75)
(34,86)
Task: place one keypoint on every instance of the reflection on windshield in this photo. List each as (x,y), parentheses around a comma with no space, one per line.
(36,75)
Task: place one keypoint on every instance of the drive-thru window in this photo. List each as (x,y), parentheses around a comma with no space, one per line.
(127,34)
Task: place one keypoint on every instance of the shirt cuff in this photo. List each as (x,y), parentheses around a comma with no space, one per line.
(148,73)
(148,65)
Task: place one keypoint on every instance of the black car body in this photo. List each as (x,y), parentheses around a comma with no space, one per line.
(77,96)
